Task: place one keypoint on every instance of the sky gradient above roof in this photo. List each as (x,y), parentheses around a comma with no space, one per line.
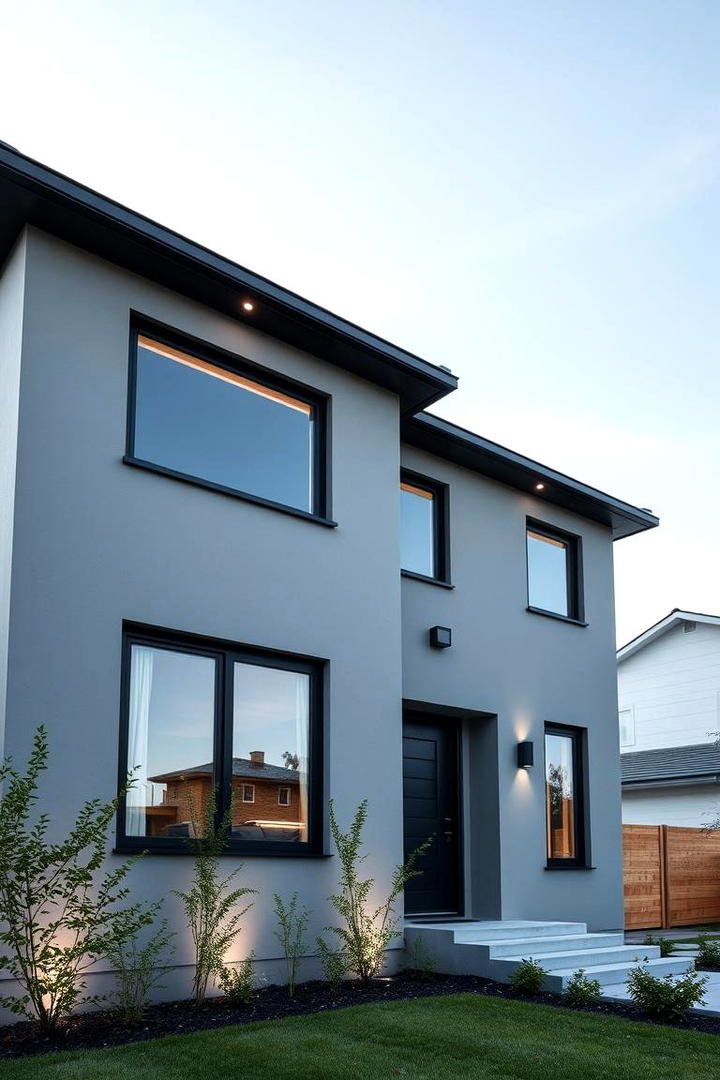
(526,193)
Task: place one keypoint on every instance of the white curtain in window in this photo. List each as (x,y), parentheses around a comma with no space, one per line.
(139,796)
(302,714)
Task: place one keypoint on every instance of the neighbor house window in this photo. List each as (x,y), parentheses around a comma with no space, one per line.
(423,528)
(200,415)
(564,796)
(284,796)
(195,714)
(553,572)
(626,718)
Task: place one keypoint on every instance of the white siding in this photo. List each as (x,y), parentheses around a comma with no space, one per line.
(692,807)
(673,686)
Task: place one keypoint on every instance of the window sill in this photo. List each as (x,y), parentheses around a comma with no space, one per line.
(234,853)
(555,615)
(138,463)
(575,867)
(426,578)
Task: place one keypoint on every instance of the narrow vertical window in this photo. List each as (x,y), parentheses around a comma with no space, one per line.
(423,528)
(553,572)
(564,797)
(626,718)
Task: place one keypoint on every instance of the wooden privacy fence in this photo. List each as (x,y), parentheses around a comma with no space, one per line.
(672,876)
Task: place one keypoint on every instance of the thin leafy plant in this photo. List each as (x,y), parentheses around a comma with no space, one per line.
(333,963)
(137,961)
(581,990)
(236,982)
(58,907)
(708,954)
(292,921)
(366,931)
(529,977)
(211,905)
(667,998)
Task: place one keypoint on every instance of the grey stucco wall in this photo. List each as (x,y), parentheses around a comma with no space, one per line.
(98,541)
(528,670)
(12,294)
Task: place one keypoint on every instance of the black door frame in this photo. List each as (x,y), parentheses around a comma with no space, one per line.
(437,717)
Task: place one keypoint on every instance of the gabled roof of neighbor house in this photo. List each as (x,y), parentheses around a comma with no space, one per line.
(33,194)
(675,618)
(671,763)
(242,767)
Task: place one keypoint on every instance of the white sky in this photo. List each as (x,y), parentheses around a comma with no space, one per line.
(523,190)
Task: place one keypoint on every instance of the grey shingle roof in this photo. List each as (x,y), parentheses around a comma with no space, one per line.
(241,767)
(671,763)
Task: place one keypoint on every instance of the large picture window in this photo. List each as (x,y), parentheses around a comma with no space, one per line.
(424,547)
(197,415)
(202,717)
(554,572)
(564,797)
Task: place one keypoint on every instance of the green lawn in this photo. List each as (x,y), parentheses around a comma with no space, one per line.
(427,1039)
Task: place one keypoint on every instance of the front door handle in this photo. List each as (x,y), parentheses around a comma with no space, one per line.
(448,831)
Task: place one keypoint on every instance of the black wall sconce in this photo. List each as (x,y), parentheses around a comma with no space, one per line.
(525,754)
(440,637)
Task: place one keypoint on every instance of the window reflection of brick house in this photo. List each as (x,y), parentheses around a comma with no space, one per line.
(266,797)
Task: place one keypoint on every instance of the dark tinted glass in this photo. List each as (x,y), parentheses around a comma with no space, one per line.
(216,425)
(417,530)
(547,573)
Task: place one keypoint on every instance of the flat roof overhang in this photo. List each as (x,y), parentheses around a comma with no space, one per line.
(462,447)
(32,194)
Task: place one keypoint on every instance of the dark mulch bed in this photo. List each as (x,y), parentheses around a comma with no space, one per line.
(98,1029)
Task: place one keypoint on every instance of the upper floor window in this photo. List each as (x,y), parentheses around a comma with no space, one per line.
(198,414)
(626,719)
(553,571)
(423,528)
(194,714)
(564,796)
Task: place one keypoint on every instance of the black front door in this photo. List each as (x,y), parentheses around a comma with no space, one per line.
(431,808)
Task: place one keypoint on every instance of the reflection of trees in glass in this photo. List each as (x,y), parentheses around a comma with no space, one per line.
(290,761)
(559,790)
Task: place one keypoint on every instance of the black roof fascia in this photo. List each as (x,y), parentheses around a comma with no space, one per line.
(462,447)
(33,194)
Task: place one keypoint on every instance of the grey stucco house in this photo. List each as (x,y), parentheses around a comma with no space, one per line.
(236,550)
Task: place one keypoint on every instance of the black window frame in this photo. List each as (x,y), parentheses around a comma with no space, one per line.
(573,571)
(319,402)
(441,527)
(226,654)
(578,735)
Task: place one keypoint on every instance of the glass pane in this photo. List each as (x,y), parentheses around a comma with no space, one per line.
(270,750)
(417,530)
(560,798)
(170,740)
(547,573)
(219,426)
(627,727)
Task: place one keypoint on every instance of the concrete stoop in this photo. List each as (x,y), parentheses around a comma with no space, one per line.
(495,949)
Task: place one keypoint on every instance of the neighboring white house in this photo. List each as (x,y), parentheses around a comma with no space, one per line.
(669,703)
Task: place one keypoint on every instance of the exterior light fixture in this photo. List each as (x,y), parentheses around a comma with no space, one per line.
(440,637)
(248,305)
(525,755)
(539,487)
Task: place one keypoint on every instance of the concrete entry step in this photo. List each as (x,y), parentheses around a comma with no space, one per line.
(495,949)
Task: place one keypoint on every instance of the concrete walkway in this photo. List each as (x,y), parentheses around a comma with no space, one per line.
(637,937)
